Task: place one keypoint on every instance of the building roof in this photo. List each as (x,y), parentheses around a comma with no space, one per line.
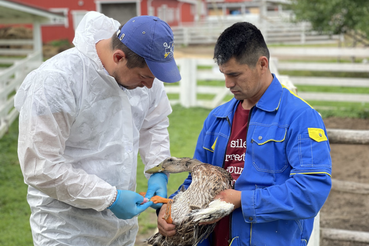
(13,12)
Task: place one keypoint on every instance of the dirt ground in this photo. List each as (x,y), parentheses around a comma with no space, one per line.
(344,210)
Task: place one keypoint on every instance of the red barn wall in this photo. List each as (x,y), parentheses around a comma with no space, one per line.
(186,13)
(182,12)
(57,32)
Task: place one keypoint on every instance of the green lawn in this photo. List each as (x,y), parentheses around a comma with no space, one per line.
(14,210)
(185,125)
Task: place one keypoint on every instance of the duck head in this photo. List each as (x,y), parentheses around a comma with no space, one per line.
(175,165)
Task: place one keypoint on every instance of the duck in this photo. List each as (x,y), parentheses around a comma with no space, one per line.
(194,205)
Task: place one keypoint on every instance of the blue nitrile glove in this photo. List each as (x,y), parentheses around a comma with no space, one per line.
(157,185)
(128,204)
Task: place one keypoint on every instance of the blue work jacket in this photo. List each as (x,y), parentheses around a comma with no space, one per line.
(287,172)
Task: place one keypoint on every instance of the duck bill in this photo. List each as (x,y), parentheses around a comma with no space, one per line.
(156,169)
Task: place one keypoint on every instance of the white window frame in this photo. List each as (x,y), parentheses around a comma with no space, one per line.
(137,2)
(63,11)
(76,20)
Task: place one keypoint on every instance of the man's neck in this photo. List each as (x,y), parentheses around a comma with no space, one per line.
(251,102)
(104,51)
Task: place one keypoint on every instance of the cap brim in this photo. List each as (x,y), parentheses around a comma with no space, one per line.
(164,71)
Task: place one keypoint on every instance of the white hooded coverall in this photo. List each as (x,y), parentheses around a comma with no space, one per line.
(79,136)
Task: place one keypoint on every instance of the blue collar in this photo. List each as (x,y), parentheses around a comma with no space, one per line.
(269,102)
(271,98)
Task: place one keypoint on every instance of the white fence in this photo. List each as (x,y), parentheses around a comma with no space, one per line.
(276,27)
(188,89)
(358,137)
(15,70)
(323,53)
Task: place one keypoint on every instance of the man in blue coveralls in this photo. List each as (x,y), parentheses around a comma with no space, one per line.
(273,143)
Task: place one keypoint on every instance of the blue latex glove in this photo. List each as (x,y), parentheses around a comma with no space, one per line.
(128,204)
(157,185)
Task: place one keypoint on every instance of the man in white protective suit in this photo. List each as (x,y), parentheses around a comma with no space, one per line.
(84,116)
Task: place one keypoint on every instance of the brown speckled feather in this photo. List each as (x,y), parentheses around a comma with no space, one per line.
(207,181)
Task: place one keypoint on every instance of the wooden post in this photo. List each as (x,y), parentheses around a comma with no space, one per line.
(37,39)
(262,16)
(303,35)
(351,187)
(343,136)
(188,84)
(345,235)
(315,235)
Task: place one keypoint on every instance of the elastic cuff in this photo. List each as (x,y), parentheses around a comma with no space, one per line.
(114,201)
(248,206)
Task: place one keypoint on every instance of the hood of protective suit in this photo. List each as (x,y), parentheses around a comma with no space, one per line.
(79,136)
(93,28)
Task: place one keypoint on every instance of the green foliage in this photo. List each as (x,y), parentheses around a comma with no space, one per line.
(211,82)
(333,16)
(325,60)
(14,210)
(341,109)
(306,45)
(60,42)
(324,74)
(336,89)
(173,96)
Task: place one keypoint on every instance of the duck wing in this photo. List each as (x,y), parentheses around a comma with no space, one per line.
(195,205)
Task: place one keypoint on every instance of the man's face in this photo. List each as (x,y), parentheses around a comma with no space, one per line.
(244,82)
(131,78)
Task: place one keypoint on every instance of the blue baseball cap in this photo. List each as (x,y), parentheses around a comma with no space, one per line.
(152,39)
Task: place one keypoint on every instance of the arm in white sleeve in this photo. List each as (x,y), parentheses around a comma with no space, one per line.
(47,106)
(154,136)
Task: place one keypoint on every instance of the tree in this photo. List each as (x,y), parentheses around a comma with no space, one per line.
(348,17)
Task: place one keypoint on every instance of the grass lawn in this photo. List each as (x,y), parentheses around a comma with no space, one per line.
(14,209)
(185,125)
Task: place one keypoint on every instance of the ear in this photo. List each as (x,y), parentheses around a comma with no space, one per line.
(263,63)
(118,55)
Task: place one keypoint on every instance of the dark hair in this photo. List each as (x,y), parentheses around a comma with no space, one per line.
(244,42)
(133,60)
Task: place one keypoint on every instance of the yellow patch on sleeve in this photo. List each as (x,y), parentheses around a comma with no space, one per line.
(317,134)
(215,142)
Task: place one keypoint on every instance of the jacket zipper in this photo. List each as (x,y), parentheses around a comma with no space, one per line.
(250,233)
(230,131)
(247,132)
(225,152)
(230,217)
(247,128)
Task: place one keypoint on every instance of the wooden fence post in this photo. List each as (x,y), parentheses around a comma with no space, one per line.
(315,234)
(2,102)
(303,35)
(344,136)
(187,94)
